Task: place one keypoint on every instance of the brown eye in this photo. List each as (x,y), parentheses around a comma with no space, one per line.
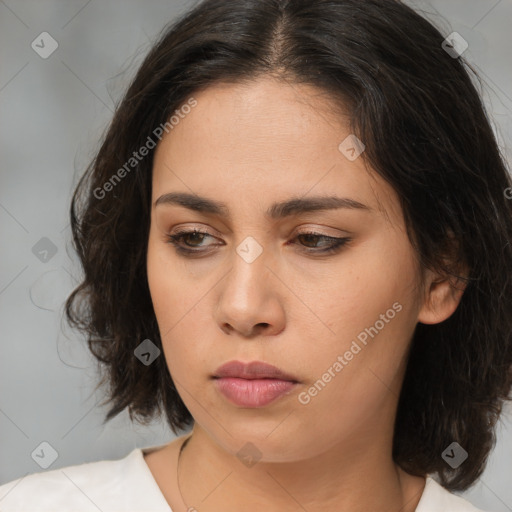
(181,238)
(335,244)
(189,242)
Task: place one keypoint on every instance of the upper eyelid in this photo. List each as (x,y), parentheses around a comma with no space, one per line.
(303,231)
(184,232)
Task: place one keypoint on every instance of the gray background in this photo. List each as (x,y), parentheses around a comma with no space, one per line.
(52,113)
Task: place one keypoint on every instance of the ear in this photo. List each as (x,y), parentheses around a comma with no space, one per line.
(442,297)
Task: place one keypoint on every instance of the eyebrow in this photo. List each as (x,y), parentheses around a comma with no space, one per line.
(293,206)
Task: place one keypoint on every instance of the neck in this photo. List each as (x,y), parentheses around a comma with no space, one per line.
(210,479)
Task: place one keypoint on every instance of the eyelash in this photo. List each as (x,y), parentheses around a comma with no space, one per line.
(336,247)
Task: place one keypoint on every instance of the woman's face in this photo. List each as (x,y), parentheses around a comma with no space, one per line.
(259,289)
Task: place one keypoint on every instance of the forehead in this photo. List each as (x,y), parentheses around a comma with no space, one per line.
(262,141)
(266,113)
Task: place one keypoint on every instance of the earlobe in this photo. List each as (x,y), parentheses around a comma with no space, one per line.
(441,300)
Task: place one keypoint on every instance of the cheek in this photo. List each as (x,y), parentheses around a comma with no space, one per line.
(351,382)
(356,289)
(160,282)
(177,305)
(168,295)
(368,317)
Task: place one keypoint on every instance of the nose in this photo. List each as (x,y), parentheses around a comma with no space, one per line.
(250,301)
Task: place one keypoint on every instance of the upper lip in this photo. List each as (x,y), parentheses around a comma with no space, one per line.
(252,370)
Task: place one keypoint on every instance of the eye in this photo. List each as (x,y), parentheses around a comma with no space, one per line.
(197,237)
(334,243)
(194,235)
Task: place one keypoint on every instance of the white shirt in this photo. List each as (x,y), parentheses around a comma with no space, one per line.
(127,485)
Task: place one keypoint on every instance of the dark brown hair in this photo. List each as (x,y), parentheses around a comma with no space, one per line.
(426,132)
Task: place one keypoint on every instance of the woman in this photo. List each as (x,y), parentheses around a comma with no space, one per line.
(296,241)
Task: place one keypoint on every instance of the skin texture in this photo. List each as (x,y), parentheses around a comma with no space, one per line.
(249,146)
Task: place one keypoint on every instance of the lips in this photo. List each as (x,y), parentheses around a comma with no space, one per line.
(254,384)
(252,370)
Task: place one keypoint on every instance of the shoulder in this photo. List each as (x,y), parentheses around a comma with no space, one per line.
(436,498)
(107,485)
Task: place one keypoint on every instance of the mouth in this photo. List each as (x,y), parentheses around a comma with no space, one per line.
(252,370)
(254,384)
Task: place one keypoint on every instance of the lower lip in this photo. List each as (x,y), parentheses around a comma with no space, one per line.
(255,392)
